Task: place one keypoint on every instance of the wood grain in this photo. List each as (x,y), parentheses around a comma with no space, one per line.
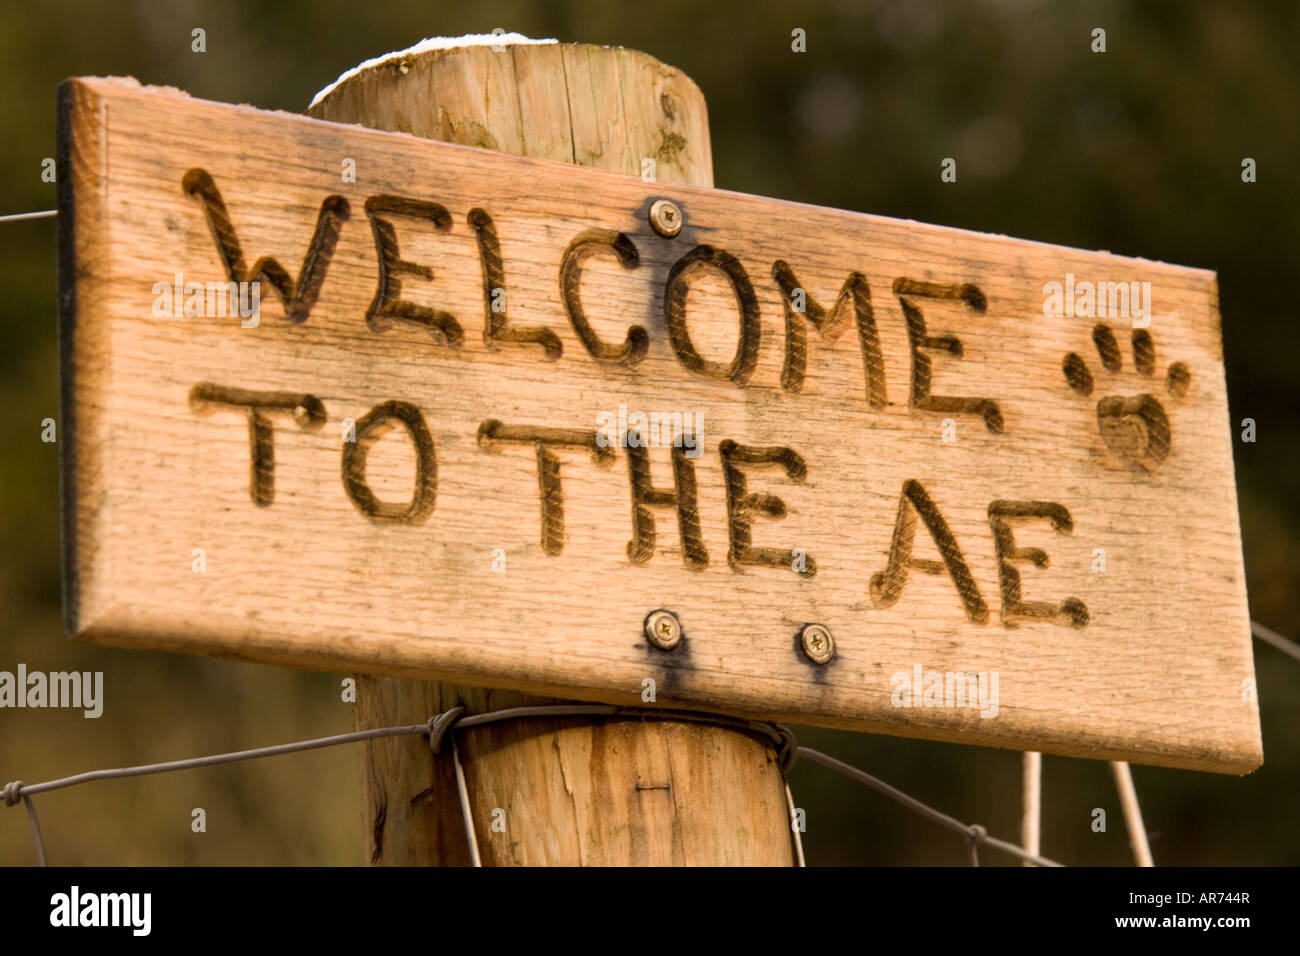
(924,549)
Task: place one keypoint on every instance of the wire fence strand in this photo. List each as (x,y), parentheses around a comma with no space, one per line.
(973,832)
(1128,800)
(1270,636)
(1031,801)
(20,216)
(22,789)
(778,736)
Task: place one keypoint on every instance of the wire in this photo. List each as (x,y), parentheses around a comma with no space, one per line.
(145,769)
(1270,636)
(778,736)
(796,837)
(1128,799)
(20,216)
(973,832)
(466,813)
(1031,802)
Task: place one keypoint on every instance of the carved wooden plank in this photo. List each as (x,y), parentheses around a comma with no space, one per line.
(964,484)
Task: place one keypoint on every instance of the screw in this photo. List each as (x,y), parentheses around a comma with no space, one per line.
(817,643)
(666,217)
(663,630)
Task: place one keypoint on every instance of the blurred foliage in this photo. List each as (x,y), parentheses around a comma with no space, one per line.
(1137,151)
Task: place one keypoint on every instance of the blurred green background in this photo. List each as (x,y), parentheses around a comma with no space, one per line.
(1137,151)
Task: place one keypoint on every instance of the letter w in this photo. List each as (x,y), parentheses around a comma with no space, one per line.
(298,295)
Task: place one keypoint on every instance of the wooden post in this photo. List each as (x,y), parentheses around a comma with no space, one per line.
(570,791)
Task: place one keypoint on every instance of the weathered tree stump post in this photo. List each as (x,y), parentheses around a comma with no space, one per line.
(572,791)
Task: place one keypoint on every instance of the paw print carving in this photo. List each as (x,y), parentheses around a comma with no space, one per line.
(1134,427)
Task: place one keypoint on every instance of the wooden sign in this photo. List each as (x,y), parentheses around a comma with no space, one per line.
(351,400)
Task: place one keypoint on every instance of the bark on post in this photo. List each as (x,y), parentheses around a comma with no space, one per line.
(570,791)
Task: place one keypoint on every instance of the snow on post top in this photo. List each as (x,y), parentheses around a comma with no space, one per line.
(424,46)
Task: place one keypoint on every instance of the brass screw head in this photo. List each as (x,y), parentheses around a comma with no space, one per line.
(817,643)
(663,630)
(666,217)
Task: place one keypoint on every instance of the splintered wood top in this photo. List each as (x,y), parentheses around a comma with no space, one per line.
(488,418)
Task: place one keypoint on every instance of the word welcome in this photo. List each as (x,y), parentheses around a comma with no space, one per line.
(852,308)
(56,689)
